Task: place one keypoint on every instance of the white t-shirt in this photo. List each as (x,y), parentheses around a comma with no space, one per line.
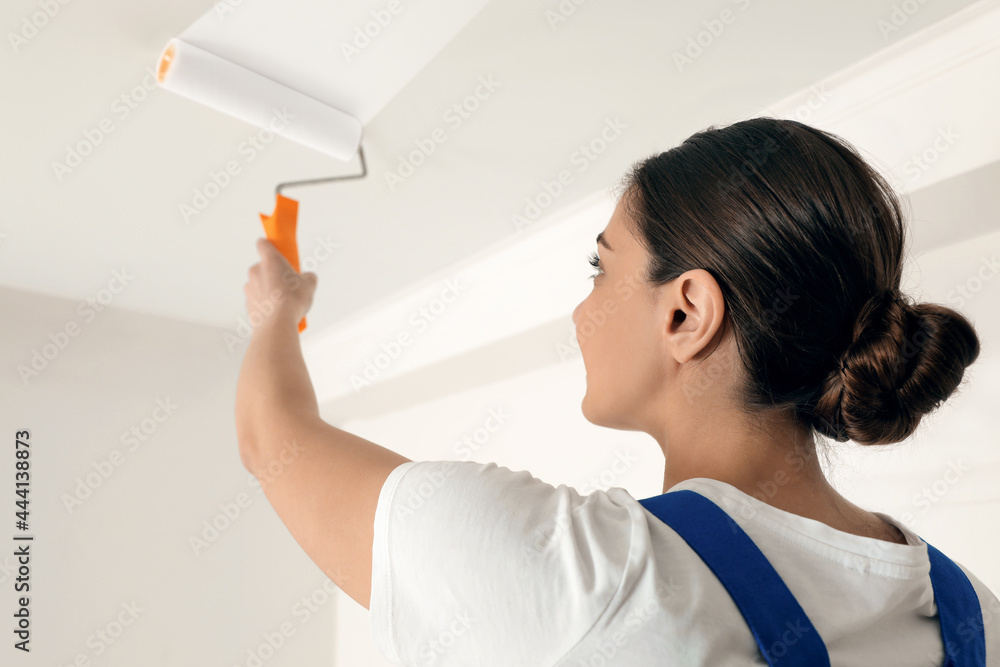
(476,564)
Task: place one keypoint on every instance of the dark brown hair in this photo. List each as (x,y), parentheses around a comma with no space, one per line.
(806,242)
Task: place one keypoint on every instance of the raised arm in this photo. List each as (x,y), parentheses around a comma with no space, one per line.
(322,481)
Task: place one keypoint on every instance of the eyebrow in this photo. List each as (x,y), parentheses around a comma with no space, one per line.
(600,239)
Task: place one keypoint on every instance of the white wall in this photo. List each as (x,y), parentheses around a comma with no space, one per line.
(129,540)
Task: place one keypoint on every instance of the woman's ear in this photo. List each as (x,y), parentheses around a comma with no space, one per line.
(694,314)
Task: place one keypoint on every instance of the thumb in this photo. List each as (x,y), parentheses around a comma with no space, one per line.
(310,280)
(270,253)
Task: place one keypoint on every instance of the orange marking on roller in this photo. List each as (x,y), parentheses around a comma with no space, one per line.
(165,60)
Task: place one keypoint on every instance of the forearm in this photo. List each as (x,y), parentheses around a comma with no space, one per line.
(274,390)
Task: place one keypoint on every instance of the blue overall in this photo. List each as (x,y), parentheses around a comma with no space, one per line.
(783,632)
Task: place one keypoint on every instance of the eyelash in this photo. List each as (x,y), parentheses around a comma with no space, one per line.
(594,259)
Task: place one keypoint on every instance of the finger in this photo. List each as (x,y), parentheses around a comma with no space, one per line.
(269,252)
(265,247)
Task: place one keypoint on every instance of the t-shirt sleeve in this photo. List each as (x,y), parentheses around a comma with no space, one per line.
(471,560)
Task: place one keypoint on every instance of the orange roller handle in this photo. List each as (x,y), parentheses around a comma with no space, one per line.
(280,230)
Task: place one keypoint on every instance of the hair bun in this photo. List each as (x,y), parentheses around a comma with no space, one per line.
(903,361)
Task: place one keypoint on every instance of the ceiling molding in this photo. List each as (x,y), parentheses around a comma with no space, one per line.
(922,110)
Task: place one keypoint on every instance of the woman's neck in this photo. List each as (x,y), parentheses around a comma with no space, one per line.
(780,468)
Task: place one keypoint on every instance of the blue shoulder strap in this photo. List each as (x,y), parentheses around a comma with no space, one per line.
(777,621)
(960,611)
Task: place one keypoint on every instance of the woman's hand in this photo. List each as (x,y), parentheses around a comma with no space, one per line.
(275,290)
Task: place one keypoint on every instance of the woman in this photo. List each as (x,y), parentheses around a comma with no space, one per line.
(767,310)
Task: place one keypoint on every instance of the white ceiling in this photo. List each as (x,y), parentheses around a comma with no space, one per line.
(557,86)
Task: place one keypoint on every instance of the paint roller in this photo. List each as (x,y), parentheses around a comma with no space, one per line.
(223,85)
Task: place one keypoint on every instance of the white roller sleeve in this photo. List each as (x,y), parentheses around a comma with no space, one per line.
(225,86)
